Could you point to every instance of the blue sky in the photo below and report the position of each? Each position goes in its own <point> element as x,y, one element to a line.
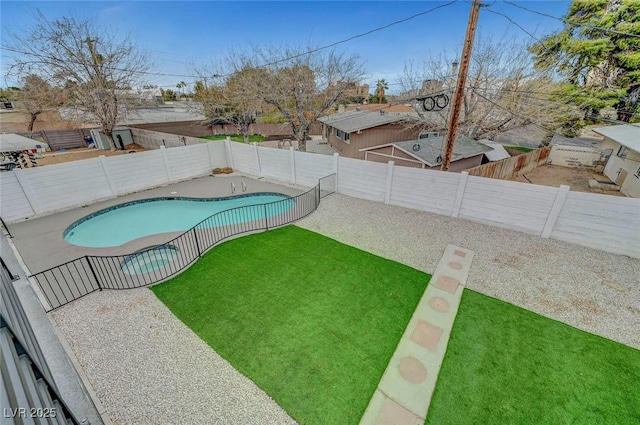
<point>178,33</point>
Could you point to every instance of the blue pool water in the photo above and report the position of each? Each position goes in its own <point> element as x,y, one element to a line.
<point>150,260</point>
<point>124,223</point>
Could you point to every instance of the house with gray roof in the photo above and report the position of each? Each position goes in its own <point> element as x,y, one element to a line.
<point>623,166</point>
<point>428,153</point>
<point>350,132</point>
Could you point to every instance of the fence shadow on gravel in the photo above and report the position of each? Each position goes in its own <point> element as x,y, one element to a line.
<point>72,280</point>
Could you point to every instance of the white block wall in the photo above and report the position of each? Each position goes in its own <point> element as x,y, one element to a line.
<point>188,161</point>
<point>425,190</point>
<point>245,158</point>
<point>14,204</point>
<point>600,221</point>
<point>42,190</point>
<point>217,154</point>
<point>275,163</point>
<point>60,186</point>
<point>609,223</point>
<point>310,167</point>
<point>137,171</point>
<point>509,205</point>
<point>362,179</point>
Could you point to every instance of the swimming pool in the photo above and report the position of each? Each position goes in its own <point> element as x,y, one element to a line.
<point>123,223</point>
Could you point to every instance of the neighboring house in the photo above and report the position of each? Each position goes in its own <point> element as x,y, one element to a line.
<point>428,152</point>
<point>623,166</point>
<point>497,154</point>
<point>350,132</point>
<point>386,107</point>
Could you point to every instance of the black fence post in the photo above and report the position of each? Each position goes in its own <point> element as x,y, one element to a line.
<point>266,220</point>
<point>86,257</point>
<point>195,235</point>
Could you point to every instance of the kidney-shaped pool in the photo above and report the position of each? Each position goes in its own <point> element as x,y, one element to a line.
<point>123,223</point>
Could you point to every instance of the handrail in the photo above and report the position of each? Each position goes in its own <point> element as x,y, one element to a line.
<point>76,278</point>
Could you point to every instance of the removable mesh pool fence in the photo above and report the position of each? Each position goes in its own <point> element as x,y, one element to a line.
<point>67,282</point>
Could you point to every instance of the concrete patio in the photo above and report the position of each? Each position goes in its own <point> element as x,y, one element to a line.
<point>40,242</point>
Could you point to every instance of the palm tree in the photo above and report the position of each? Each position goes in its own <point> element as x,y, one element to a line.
<point>381,86</point>
<point>181,85</point>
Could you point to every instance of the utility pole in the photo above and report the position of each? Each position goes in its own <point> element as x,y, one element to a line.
<point>462,80</point>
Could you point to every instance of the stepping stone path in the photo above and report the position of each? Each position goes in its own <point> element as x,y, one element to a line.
<point>404,392</point>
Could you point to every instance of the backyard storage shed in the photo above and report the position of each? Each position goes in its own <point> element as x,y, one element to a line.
<point>623,166</point>
<point>350,132</point>
<point>428,153</point>
<point>121,137</point>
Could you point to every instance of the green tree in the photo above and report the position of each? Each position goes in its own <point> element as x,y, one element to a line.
<point>597,53</point>
<point>181,86</point>
<point>168,95</point>
<point>381,86</point>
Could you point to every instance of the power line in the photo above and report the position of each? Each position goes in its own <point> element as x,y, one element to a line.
<point>163,74</point>
<point>519,26</point>
<point>567,21</point>
<point>529,120</point>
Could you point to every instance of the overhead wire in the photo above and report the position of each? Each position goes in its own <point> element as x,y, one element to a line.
<point>288,58</point>
<point>524,118</point>
<point>568,21</point>
<point>540,41</point>
<point>521,27</point>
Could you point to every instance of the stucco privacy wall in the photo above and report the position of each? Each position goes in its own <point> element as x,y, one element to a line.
<point>44,190</point>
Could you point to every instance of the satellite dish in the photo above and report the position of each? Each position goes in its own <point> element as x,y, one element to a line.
<point>416,147</point>
<point>438,159</point>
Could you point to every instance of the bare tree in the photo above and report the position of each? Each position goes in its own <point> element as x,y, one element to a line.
<point>503,90</point>
<point>231,100</point>
<point>97,68</point>
<point>38,96</point>
<point>301,84</point>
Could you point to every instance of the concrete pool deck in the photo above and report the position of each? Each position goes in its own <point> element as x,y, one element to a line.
<point>40,241</point>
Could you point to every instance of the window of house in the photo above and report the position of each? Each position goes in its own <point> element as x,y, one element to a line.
<point>339,134</point>
<point>347,137</point>
<point>428,135</point>
<point>622,152</point>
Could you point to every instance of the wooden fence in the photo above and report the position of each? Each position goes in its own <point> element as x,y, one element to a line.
<point>512,167</point>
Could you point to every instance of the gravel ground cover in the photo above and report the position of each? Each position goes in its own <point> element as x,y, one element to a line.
<point>589,289</point>
<point>119,336</point>
<point>147,367</point>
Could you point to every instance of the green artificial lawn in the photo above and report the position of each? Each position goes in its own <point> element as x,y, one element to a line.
<point>236,137</point>
<point>507,365</point>
<point>310,320</point>
<point>519,148</point>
